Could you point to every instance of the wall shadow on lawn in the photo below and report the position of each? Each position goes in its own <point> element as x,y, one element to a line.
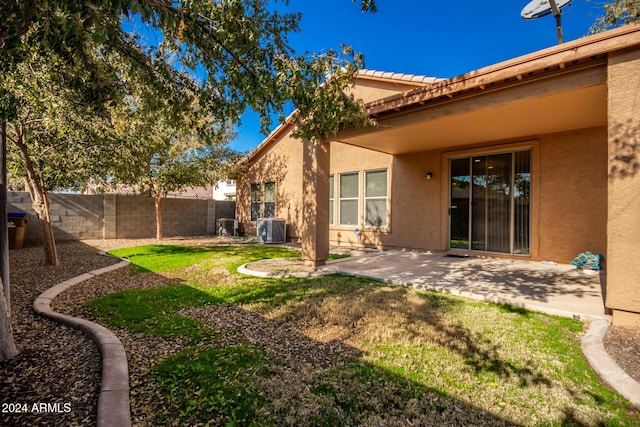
<point>397,313</point>
<point>330,376</point>
<point>326,382</point>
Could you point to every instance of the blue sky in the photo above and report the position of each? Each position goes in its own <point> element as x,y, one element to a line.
<point>428,37</point>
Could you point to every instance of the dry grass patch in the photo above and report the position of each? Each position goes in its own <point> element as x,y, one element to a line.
<point>339,350</point>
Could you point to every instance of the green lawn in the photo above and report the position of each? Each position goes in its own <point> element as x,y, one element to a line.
<point>340,350</point>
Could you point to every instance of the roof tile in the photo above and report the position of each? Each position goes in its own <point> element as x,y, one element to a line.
<point>413,78</point>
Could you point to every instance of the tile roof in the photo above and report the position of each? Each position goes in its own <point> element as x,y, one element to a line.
<point>410,78</point>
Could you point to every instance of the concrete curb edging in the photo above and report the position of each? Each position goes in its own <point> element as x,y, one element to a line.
<point>113,401</point>
<point>244,270</point>
<point>605,366</point>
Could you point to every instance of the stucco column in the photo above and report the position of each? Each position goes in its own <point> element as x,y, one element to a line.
<point>623,223</point>
<point>315,206</point>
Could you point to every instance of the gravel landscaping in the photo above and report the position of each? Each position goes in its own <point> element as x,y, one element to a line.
<point>59,366</point>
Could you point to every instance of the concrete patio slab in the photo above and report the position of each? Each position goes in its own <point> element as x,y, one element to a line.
<point>551,288</point>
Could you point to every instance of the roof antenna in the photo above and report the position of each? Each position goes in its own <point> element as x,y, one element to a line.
<point>539,8</point>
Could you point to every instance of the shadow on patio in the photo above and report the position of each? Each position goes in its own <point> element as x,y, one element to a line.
<point>554,289</point>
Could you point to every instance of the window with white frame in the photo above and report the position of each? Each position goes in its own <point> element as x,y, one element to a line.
<point>256,201</point>
<point>375,198</point>
<point>331,199</point>
<point>269,210</point>
<point>349,198</point>
<point>263,200</point>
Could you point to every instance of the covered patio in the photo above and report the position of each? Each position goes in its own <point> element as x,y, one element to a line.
<point>536,158</point>
<point>558,289</point>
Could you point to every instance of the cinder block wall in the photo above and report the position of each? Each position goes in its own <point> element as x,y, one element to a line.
<point>73,216</point>
<point>108,216</point>
<point>135,217</point>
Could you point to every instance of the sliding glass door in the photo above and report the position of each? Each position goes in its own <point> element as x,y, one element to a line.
<point>489,206</point>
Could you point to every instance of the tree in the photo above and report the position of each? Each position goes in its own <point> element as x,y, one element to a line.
<point>240,46</point>
<point>167,146</point>
<point>616,13</point>
<point>57,140</point>
<point>7,345</point>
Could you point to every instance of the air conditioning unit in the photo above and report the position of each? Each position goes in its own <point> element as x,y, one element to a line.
<point>227,227</point>
<point>271,230</point>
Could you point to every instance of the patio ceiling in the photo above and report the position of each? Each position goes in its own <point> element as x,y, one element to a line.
<point>557,102</point>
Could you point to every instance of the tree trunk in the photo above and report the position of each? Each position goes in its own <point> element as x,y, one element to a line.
<point>39,201</point>
<point>8,348</point>
<point>158,202</point>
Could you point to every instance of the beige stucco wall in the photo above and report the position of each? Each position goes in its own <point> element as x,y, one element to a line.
<point>281,164</point>
<point>280,161</point>
<point>414,201</point>
<point>569,195</point>
<point>569,180</point>
<point>623,227</point>
<point>585,159</point>
<point>370,89</point>
<point>345,159</point>
<point>572,194</point>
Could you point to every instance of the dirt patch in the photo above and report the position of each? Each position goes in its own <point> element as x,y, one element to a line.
<point>280,265</point>
<point>286,344</point>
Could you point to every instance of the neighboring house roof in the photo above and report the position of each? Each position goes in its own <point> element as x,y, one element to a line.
<point>132,190</point>
<point>194,193</point>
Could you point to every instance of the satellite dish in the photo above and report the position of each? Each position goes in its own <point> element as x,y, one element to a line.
<point>539,8</point>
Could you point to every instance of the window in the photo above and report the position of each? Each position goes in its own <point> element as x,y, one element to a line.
<point>269,200</point>
<point>348,193</point>
<point>375,198</point>
<point>263,200</point>
<point>256,201</point>
<point>331,200</point>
